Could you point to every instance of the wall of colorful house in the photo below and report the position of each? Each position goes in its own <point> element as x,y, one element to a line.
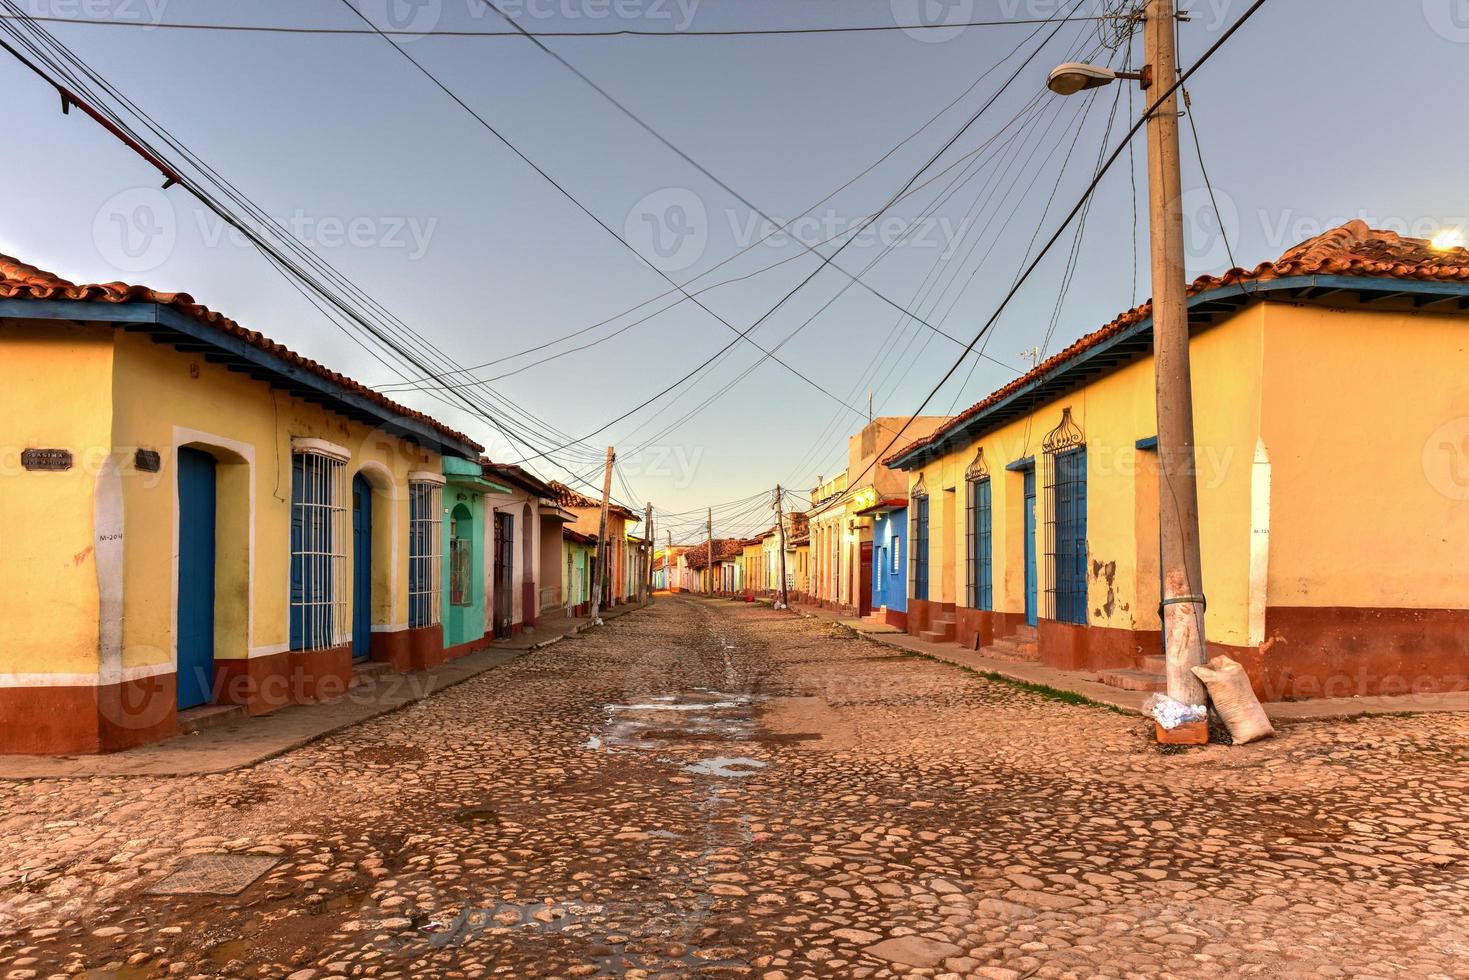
<point>890,561</point>
<point>1113,413</point>
<point>103,579</point>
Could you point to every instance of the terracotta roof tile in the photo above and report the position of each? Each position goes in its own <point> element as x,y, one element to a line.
<point>1354,249</point>
<point>21,281</point>
<point>567,497</point>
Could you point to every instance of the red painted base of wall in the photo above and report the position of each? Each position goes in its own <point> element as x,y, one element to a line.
<point>976,628</point>
<point>1065,646</point>
<point>896,617</point>
<point>529,601</point>
<point>465,649</point>
<point>923,612</point>
<point>425,647</point>
<point>87,720</point>
<point>392,648</point>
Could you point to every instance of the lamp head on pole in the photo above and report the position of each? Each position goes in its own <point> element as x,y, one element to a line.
<point>1077,76</point>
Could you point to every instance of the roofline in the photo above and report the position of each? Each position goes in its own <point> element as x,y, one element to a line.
<point>1126,346</point>
<point>159,320</point>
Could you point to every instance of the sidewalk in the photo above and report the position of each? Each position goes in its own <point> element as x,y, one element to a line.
<point>1090,686</point>
<point>249,741</point>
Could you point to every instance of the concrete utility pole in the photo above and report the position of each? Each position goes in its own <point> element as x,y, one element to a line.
<point>1178,493</point>
<point>603,551</point>
<point>647,588</point>
<point>1178,497</point>
<point>780,522</point>
<point>709,568</point>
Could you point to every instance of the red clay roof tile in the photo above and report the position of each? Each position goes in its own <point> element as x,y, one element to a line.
<point>1354,249</point>
<point>21,281</point>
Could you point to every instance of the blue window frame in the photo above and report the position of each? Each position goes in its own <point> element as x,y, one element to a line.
<point>920,548</point>
<point>981,545</point>
<point>1066,519</point>
<point>979,554</point>
<point>318,541</point>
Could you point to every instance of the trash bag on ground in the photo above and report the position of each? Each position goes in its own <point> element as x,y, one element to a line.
<point>1170,713</point>
<point>1234,700</point>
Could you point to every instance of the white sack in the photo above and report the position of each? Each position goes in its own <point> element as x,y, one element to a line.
<point>1234,699</point>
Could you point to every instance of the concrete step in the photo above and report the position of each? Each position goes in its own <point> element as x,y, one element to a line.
<point>1009,655</point>
<point>368,671</point>
<point>1025,648</point>
<point>1135,680</point>
<point>1029,633</point>
<point>208,716</point>
<point>1156,664</point>
<point>943,634</point>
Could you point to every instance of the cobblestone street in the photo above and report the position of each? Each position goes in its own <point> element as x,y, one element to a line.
<point>710,788</point>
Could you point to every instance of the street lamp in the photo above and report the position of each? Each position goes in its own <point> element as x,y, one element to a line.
<point>1182,604</point>
<point>1078,76</point>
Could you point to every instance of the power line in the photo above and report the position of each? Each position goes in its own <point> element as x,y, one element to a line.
<point>629,32</point>
<point>1071,216</point>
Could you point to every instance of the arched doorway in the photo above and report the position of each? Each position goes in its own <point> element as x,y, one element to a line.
<point>464,609</point>
<point>196,577</point>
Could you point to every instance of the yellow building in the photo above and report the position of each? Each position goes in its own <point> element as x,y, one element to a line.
<point>193,515</point>
<point>1331,407</point>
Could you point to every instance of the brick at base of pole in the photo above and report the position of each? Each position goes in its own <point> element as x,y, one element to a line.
<point>1189,733</point>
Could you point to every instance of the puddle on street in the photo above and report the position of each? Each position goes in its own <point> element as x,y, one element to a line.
<point>654,722</point>
<point>726,767</point>
<point>476,816</point>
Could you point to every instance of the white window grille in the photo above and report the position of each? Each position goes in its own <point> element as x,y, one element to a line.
<point>425,571</point>
<point>319,576</point>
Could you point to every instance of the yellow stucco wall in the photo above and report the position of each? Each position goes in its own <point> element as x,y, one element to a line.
<point>49,599</point>
<point>1114,412</point>
<point>1368,436</point>
<point>163,399</point>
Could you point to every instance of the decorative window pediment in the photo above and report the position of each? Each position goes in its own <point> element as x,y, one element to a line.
<point>978,470</point>
<point>1064,437</point>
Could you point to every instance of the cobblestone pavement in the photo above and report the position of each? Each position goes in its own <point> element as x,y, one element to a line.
<point>716,789</point>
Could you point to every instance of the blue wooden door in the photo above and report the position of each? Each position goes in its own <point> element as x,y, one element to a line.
<point>195,632</point>
<point>1031,605</point>
<point>361,567</point>
<point>1070,544</point>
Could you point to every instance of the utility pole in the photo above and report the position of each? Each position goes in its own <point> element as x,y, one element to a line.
<point>603,552</point>
<point>780,522</point>
<point>709,568</point>
<point>652,554</point>
<point>1178,499</point>
<point>668,563</point>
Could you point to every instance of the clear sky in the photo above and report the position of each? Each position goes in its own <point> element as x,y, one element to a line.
<point>1318,111</point>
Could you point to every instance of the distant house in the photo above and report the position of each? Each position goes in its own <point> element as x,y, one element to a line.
<point>620,581</point>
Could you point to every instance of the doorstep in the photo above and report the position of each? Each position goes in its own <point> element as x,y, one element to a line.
<point>220,738</point>
<point>1091,687</point>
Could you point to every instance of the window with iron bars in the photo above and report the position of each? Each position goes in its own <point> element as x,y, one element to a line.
<point>425,575</point>
<point>979,532</point>
<point>1064,464</point>
<point>920,541</point>
<point>319,578</point>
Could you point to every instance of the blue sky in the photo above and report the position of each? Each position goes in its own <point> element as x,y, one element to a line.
<point>1317,112</point>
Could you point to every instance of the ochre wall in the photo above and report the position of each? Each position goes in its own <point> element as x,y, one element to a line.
<point>1367,426</point>
<point>162,399</point>
<point>49,618</point>
<point>1114,412</point>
